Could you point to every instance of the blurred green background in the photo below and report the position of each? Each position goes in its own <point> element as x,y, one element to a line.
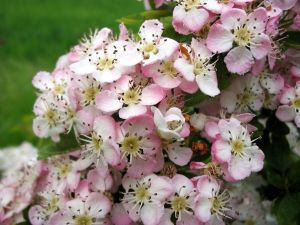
<point>33,34</point>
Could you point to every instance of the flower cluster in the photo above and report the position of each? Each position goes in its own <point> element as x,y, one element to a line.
<point>145,154</point>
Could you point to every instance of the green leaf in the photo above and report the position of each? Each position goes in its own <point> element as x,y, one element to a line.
<point>293,40</point>
<point>68,142</point>
<point>293,176</point>
<point>287,209</point>
<point>195,99</point>
<point>277,127</point>
<point>139,18</point>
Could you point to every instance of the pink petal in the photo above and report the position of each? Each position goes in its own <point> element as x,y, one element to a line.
<point>152,94</point>
<point>239,60</point>
<point>208,84</point>
<point>151,30</point>
<point>97,205</point>
<point>239,168</point>
<point>119,215</point>
<point>132,111</point>
<point>108,101</point>
<point>111,153</point>
<point>285,113</point>
<point>42,81</point>
<point>261,46</point>
<point>182,185</point>
<point>195,19</point>
<point>179,155</point>
<point>105,126</point>
<point>151,214</point>
<point>185,68</point>
<point>233,18</point>
<point>219,39</point>
<point>221,151</point>
<point>203,210</point>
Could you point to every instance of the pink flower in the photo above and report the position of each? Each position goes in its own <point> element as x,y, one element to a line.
<point>290,108</point>
<point>182,201</point>
<point>210,199</point>
<point>50,116</point>
<point>130,96</point>
<point>235,148</point>
<point>243,95</point>
<point>91,211</point>
<point>152,45</point>
<point>110,63</point>
<point>171,125</point>
<point>191,16</point>
<point>144,198</point>
<point>96,40</point>
<point>100,147</point>
<point>246,31</point>
<point>56,83</point>
<point>199,68</point>
<point>137,139</point>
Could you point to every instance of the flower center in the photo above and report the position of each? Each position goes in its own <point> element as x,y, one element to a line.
<point>212,169</point>
<point>199,67</point>
<point>89,95</point>
<point>179,204</point>
<point>168,69</point>
<point>105,63</point>
<point>223,1</point>
<point>149,48</point>
<point>245,98</point>
<point>173,124</point>
<point>59,89</point>
<point>51,116</point>
<point>242,36</point>
<point>132,96</point>
<point>53,203</point>
<point>83,220</point>
<point>190,4</point>
<point>220,203</point>
<point>131,145</point>
<point>296,103</point>
<point>97,142</point>
<point>142,194</point>
<point>237,146</point>
<point>64,169</point>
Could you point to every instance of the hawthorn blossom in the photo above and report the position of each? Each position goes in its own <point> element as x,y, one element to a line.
<point>211,199</point>
<point>144,199</point>
<point>191,16</point>
<point>247,32</point>
<point>199,68</point>
<point>245,94</point>
<point>235,148</point>
<point>130,96</point>
<point>100,146</point>
<point>50,116</point>
<point>110,63</point>
<point>137,139</point>
<point>89,211</point>
<point>95,40</point>
<point>182,200</point>
<point>57,83</point>
<point>152,45</point>
<point>290,108</point>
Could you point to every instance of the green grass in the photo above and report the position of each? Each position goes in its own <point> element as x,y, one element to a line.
<point>33,34</point>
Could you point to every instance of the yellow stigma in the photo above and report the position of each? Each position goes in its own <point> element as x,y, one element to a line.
<point>59,89</point>
<point>83,220</point>
<point>148,49</point>
<point>142,194</point>
<point>51,117</point>
<point>191,4</point>
<point>131,145</point>
<point>237,147</point>
<point>105,63</point>
<point>199,67</point>
<point>168,69</point>
<point>97,143</point>
<point>173,124</point>
<point>89,95</point>
<point>296,103</point>
<point>53,203</point>
<point>242,36</point>
<point>179,204</point>
<point>245,98</point>
<point>132,96</point>
<point>64,169</point>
